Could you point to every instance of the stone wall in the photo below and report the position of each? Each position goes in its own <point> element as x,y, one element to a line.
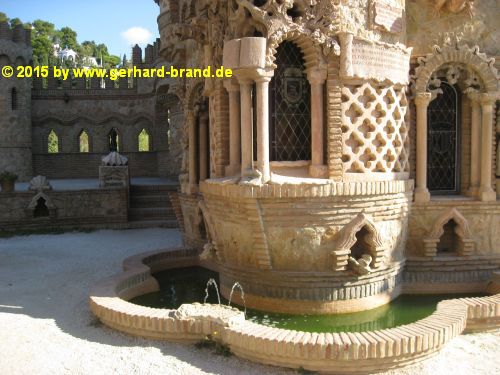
<point>429,25</point>
<point>66,209</point>
<point>15,104</point>
<point>86,165</point>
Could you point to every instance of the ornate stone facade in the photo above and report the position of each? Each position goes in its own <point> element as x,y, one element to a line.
<point>335,202</point>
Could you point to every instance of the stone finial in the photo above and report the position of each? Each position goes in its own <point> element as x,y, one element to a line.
<point>40,183</point>
<point>114,159</point>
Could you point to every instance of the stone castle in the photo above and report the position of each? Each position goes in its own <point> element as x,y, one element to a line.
<point>353,151</point>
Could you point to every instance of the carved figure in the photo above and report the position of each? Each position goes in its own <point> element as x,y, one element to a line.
<point>453,6</point>
<point>362,265</point>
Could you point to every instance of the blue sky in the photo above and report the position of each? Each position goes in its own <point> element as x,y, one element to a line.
<point>105,21</point>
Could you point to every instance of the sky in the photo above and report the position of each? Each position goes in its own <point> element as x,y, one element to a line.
<point>117,23</point>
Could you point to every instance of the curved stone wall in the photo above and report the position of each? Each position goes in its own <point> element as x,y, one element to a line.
<point>346,353</point>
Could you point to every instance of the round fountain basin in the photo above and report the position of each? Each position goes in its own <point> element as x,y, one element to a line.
<point>187,285</point>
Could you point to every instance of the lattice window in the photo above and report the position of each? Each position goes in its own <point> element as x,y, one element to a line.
<point>290,114</point>
<point>374,131</point>
<point>443,136</point>
<point>83,141</point>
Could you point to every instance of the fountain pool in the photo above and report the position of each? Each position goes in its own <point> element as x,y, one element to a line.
<point>188,285</point>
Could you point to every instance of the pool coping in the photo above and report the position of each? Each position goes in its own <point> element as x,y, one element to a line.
<point>344,352</point>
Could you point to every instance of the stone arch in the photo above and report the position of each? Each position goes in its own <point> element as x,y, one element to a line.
<point>34,206</point>
<point>80,141</point>
<point>194,93</point>
<point>310,51</point>
<point>466,244</point>
<point>471,57</point>
<point>346,239</point>
<point>147,140</point>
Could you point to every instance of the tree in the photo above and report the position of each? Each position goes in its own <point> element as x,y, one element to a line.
<point>15,21</point>
<point>67,36</point>
<point>3,17</point>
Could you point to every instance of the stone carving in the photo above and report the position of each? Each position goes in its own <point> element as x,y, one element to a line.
<point>375,134</point>
<point>209,252</point>
<point>453,6</point>
<point>40,183</point>
<point>387,17</point>
<point>453,73</point>
<point>466,244</point>
<point>362,265</point>
<point>366,61</point>
<point>114,159</point>
<point>346,238</point>
<point>41,206</point>
<point>280,20</point>
<point>478,69</point>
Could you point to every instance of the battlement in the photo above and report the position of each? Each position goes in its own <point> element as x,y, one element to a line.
<point>17,34</point>
<point>151,53</point>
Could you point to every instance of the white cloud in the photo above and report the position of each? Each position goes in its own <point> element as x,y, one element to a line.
<point>137,35</point>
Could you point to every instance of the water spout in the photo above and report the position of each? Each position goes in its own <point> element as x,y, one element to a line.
<point>211,282</point>
<point>238,285</point>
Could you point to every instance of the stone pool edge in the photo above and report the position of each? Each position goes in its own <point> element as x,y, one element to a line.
<point>352,352</point>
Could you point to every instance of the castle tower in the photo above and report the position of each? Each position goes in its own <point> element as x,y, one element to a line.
<point>15,103</point>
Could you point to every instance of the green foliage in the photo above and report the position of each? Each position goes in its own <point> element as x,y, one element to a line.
<point>144,141</point>
<point>84,141</point>
<point>44,35</point>
<point>53,143</point>
<point>8,176</point>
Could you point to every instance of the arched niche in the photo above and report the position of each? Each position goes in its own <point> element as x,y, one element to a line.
<point>449,228</point>
<point>358,237</point>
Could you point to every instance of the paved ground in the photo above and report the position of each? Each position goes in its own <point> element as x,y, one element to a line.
<point>46,326</point>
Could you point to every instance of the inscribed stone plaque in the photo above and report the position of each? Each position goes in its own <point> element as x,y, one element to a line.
<point>379,62</point>
<point>388,17</point>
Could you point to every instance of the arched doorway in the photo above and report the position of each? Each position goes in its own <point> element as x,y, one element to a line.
<point>443,113</point>
<point>289,107</point>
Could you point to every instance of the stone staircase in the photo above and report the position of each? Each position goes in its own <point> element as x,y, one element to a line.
<point>150,206</point>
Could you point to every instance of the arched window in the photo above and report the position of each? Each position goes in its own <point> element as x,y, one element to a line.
<point>289,107</point>
<point>144,141</point>
<point>443,140</point>
<point>53,143</point>
<point>13,99</point>
<point>114,140</point>
<point>83,141</point>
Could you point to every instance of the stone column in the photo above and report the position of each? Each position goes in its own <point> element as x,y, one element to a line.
<point>486,192</point>
<point>262,109</point>
<point>233,88</point>
<point>203,143</point>
<point>246,126</point>
<point>317,78</point>
<point>422,101</point>
<point>192,150</point>
<point>475,141</point>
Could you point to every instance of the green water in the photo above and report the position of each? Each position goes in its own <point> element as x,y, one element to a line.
<point>187,285</point>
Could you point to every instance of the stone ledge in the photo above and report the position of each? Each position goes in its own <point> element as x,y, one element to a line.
<point>305,190</point>
<point>357,352</point>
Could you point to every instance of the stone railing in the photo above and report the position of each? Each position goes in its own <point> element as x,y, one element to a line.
<point>357,352</point>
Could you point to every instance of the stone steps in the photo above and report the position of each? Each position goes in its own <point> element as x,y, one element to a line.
<point>151,204</point>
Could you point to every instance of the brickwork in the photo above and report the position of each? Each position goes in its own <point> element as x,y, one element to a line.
<point>357,352</point>
<point>71,209</point>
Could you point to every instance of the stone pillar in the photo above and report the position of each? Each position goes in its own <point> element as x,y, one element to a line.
<point>263,125</point>
<point>486,192</point>
<point>246,126</point>
<point>203,143</point>
<point>192,150</point>
<point>475,141</point>
<point>317,78</point>
<point>233,88</point>
<point>422,101</point>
